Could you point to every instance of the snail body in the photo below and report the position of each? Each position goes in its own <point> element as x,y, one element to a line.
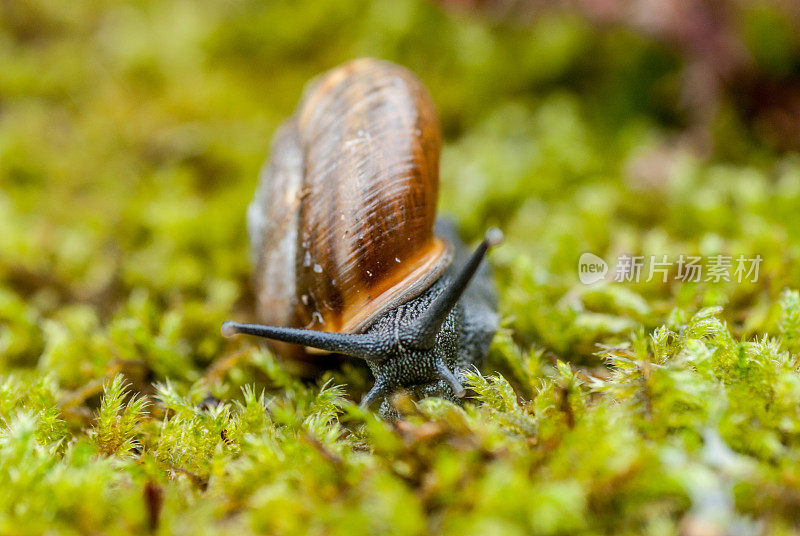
<point>349,256</point>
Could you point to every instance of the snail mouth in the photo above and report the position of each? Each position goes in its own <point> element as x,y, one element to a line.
<point>441,371</point>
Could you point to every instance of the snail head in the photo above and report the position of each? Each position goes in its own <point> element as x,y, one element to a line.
<point>397,352</point>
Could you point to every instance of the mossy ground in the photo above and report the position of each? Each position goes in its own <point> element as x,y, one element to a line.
<point>131,135</point>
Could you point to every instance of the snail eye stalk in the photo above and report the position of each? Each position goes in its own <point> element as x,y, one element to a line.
<point>421,333</point>
<point>366,346</point>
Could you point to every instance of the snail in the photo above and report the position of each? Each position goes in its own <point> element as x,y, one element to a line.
<point>349,256</point>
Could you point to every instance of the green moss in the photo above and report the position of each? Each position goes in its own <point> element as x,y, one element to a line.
<point>131,135</point>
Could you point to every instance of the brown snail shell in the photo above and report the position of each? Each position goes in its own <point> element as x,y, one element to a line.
<point>342,223</point>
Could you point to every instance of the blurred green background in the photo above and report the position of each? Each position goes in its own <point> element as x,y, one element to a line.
<point>131,136</point>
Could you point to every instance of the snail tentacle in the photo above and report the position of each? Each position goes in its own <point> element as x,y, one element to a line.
<point>378,390</point>
<point>370,347</point>
<point>422,332</point>
<point>450,379</point>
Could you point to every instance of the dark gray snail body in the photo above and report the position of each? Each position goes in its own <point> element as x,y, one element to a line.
<point>342,230</point>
